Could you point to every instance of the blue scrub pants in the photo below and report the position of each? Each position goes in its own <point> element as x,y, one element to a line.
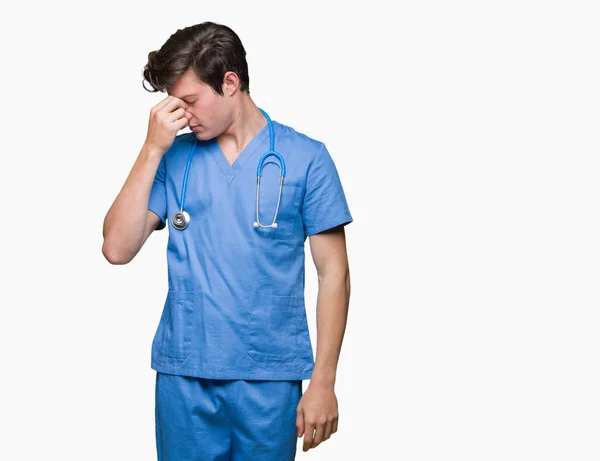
<point>201,419</point>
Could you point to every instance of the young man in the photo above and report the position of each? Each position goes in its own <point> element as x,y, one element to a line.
<point>232,346</point>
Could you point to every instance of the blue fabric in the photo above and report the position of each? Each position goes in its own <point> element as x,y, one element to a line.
<point>225,420</point>
<point>235,305</point>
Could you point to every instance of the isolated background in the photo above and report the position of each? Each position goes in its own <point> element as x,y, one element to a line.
<point>466,136</point>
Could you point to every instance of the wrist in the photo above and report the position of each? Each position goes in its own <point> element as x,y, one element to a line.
<point>150,151</point>
<point>323,378</point>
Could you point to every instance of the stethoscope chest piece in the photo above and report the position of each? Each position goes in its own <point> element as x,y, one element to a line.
<point>180,220</point>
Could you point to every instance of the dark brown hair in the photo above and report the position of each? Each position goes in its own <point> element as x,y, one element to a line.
<point>210,49</point>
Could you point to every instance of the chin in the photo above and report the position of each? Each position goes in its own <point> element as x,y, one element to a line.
<point>201,136</point>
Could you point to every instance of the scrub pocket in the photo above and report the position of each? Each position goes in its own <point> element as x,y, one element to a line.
<point>289,209</point>
<point>174,335</point>
<point>273,328</point>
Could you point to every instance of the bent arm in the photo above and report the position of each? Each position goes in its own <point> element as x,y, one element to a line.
<point>329,255</point>
<point>128,222</point>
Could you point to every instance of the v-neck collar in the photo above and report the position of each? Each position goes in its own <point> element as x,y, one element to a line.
<point>229,171</point>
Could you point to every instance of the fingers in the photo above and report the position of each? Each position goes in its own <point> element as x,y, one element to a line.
<point>169,104</point>
<point>308,436</point>
<point>322,431</point>
<point>300,421</point>
<point>328,430</point>
<point>163,103</point>
<point>319,434</point>
<point>176,115</point>
<point>317,426</point>
<point>182,123</point>
<point>174,103</point>
<point>165,121</point>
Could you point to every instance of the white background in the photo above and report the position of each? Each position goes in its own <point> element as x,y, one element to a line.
<point>466,136</point>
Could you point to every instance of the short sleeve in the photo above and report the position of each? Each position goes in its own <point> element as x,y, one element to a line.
<point>158,195</point>
<point>324,206</point>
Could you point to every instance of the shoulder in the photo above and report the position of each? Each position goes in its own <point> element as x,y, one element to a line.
<point>309,147</point>
<point>182,144</point>
<point>183,140</point>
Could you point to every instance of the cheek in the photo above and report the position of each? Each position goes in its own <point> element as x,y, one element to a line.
<point>203,110</point>
<point>198,114</point>
<point>209,112</point>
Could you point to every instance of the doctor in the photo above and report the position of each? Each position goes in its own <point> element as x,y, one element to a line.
<point>232,345</point>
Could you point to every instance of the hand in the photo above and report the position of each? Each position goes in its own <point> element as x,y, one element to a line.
<point>317,411</point>
<point>166,119</point>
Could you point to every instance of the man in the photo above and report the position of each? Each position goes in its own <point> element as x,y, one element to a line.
<point>232,346</point>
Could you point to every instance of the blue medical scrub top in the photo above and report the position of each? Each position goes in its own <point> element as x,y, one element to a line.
<point>235,305</point>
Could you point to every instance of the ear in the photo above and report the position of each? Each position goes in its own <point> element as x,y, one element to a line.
<point>231,83</point>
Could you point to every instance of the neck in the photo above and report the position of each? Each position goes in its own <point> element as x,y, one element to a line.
<point>247,122</point>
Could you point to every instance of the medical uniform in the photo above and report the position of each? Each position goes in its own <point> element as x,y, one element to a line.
<point>232,346</point>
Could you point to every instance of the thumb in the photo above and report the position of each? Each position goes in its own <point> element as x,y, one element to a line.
<point>300,421</point>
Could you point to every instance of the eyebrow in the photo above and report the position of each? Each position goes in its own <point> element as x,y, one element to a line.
<point>187,96</point>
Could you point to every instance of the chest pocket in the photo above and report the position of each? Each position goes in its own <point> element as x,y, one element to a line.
<point>288,216</point>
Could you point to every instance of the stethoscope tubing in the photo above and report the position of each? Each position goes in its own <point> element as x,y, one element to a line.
<point>181,219</point>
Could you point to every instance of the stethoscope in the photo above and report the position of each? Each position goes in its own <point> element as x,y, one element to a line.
<point>181,219</point>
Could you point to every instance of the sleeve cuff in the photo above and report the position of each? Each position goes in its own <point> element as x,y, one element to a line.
<point>162,223</point>
<point>329,224</point>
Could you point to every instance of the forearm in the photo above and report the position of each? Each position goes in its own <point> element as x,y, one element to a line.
<point>125,221</point>
<point>332,312</point>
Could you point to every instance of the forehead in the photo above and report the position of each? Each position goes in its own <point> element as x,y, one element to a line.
<point>187,85</point>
